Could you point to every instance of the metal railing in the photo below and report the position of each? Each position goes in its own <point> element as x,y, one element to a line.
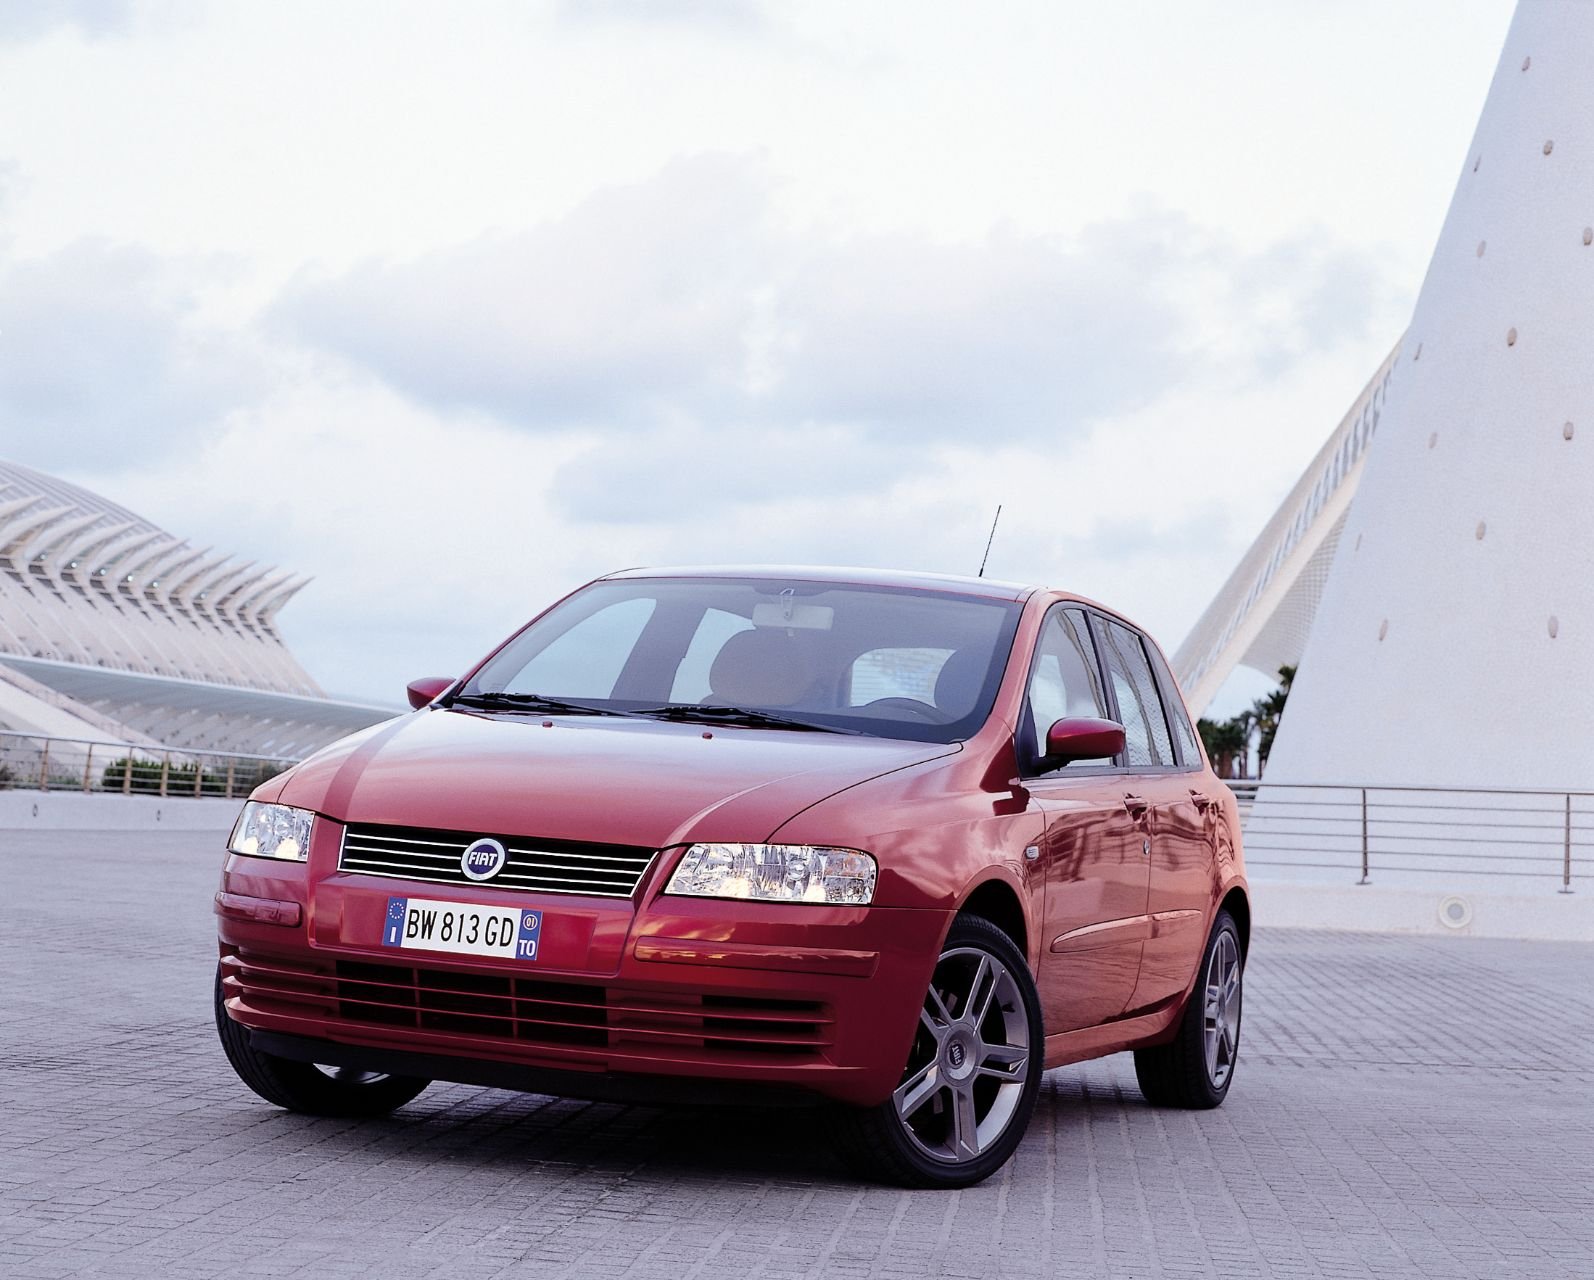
<point>42,762</point>
<point>1366,831</point>
<point>1391,832</point>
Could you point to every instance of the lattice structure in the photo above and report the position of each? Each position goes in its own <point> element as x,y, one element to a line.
<point>109,622</point>
<point>84,580</point>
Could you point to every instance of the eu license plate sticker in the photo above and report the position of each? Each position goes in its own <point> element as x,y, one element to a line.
<point>422,924</point>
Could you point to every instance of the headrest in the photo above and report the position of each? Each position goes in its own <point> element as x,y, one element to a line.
<point>962,676</point>
<point>765,667</point>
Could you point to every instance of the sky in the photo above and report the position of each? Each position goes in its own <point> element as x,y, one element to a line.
<point>457,307</point>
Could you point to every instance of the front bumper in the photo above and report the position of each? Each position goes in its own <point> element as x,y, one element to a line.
<point>669,996</point>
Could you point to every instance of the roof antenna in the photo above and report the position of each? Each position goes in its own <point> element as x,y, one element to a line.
<point>989,540</point>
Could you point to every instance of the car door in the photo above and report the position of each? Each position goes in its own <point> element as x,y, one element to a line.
<point>1164,766</point>
<point>1094,873</point>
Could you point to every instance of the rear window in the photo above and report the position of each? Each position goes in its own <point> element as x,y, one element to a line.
<point>897,673</point>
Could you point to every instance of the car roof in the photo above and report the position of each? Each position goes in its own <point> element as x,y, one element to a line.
<point>947,582</point>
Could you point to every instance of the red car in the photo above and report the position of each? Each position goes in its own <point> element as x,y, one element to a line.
<point>891,843</point>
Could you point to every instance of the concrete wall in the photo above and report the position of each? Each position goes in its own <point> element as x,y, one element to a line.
<point>74,811</point>
<point>1374,908</point>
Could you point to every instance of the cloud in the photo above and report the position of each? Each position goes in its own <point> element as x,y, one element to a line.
<point>743,16</point>
<point>102,354</point>
<point>1012,336</point>
<point>669,372</point>
<point>664,473</point>
<point>704,348</point>
<point>31,19</point>
<point>680,299</point>
<point>429,538</point>
<point>630,308</point>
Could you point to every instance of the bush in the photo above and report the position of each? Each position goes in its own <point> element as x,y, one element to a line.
<point>142,777</point>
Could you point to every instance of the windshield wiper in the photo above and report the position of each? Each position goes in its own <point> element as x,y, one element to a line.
<point>743,716</point>
<point>530,702</point>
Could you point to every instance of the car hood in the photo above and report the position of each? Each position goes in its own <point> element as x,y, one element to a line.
<point>622,781</point>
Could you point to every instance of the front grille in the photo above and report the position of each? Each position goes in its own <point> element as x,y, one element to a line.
<point>542,866</point>
<point>535,1011</point>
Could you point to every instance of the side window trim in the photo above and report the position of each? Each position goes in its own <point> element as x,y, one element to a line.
<point>1098,626</point>
<point>1098,638</point>
<point>1158,692</point>
<point>1172,705</point>
<point>1093,627</point>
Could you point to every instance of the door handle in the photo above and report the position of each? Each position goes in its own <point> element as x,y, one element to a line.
<point>1203,803</point>
<point>1136,806</point>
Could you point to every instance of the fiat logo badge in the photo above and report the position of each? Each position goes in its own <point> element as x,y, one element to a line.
<point>483,859</point>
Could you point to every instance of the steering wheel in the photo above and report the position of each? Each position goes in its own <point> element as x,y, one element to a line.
<point>921,711</point>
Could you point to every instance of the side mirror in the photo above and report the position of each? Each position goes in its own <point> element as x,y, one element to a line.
<point>1084,739</point>
<point>427,688</point>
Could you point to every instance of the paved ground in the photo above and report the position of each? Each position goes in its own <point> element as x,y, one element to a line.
<point>1404,1107</point>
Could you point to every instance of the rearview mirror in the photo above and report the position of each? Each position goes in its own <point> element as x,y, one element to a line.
<point>1084,739</point>
<point>427,688</point>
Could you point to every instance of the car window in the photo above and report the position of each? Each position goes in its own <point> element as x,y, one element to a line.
<point>929,660</point>
<point>897,673</point>
<point>1146,738</point>
<point>1065,681</point>
<point>586,661</point>
<point>691,677</point>
<point>1178,718</point>
<point>1189,751</point>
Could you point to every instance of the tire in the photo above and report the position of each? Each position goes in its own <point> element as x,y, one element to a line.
<point>969,1086</point>
<point>1195,1069</point>
<point>304,1086</point>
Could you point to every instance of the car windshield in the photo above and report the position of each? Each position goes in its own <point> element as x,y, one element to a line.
<point>887,661</point>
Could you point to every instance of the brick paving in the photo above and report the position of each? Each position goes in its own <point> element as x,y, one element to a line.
<point>1404,1107</point>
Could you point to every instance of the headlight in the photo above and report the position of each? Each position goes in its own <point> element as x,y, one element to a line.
<point>272,831</point>
<point>776,873</point>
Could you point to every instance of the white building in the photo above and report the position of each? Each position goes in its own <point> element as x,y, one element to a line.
<point>1432,575</point>
<point>113,629</point>
<point>1454,640</point>
<point>1443,621</point>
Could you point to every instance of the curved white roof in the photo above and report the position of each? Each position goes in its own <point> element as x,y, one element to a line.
<point>88,582</point>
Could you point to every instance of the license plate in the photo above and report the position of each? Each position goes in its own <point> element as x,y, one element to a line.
<point>422,924</point>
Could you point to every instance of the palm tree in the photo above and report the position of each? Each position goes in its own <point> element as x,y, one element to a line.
<point>1226,743</point>
<point>1267,712</point>
<point>1245,725</point>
